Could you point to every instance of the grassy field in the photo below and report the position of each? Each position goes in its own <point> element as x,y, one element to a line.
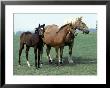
<point>84,56</point>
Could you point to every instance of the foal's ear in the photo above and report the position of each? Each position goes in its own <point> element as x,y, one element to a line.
<point>70,24</point>
<point>43,24</point>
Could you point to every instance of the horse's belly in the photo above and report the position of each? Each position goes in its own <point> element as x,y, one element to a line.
<point>55,44</point>
<point>53,41</point>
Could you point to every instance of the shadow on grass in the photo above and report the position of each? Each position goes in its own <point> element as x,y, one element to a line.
<point>81,60</point>
<point>77,60</point>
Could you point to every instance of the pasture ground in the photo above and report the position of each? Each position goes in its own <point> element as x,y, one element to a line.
<point>84,56</point>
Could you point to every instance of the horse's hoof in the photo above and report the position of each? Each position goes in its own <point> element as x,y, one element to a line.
<point>50,62</point>
<point>41,65</point>
<point>37,68</point>
<point>61,63</point>
<point>29,66</point>
<point>19,65</point>
<point>71,62</point>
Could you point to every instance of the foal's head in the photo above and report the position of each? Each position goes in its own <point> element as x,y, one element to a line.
<point>40,30</point>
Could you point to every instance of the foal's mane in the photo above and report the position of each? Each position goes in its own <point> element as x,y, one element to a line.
<point>62,27</point>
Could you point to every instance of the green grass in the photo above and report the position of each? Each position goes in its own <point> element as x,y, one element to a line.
<point>84,56</point>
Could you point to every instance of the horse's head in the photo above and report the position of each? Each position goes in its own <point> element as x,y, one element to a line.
<point>40,30</point>
<point>80,25</point>
<point>71,28</point>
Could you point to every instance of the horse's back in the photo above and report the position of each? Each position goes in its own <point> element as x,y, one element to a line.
<point>24,34</point>
<point>50,32</point>
<point>28,37</point>
<point>51,28</point>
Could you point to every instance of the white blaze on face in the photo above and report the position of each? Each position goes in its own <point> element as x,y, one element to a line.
<point>41,31</point>
<point>41,28</point>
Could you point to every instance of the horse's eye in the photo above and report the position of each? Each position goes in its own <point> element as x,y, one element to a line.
<point>82,23</point>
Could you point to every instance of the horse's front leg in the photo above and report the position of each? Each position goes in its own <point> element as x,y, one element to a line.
<point>70,54</point>
<point>58,56</point>
<point>41,53</point>
<point>27,49</point>
<point>48,54</point>
<point>61,54</point>
<point>38,59</point>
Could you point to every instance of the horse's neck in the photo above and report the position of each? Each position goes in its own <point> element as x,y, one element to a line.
<point>77,25</point>
<point>63,32</point>
<point>74,26</point>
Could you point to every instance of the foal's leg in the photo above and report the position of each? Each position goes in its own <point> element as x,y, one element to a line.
<point>35,52</point>
<point>70,54</point>
<point>20,51</point>
<point>48,54</point>
<point>38,59</point>
<point>41,53</point>
<point>27,49</point>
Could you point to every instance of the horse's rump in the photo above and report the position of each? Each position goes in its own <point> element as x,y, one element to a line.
<point>29,38</point>
<point>24,34</point>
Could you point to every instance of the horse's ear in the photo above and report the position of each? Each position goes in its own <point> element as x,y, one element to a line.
<point>70,24</point>
<point>80,18</point>
<point>43,24</point>
<point>39,25</point>
<point>73,23</point>
<point>76,18</point>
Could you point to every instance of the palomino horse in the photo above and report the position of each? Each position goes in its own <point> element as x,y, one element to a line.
<point>32,40</point>
<point>55,37</point>
<point>80,25</point>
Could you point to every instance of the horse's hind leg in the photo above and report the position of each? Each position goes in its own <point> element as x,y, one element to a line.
<point>20,51</point>
<point>27,49</point>
<point>48,54</point>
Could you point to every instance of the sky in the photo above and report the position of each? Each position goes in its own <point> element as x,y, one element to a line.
<point>28,22</point>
